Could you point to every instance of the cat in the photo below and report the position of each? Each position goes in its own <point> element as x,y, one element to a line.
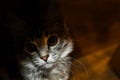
<point>45,53</point>
<point>42,49</point>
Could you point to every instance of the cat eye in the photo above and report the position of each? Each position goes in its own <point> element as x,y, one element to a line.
<point>52,41</point>
<point>30,47</point>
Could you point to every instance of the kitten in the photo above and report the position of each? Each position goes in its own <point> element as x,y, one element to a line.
<point>42,51</point>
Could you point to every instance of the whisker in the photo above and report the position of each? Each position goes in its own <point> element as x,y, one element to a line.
<point>77,63</point>
<point>71,70</point>
<point>75,69</point>
<point>72,74</point>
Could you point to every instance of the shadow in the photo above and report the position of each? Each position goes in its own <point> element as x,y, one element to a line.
<point>33,12</point>
<point>115,62</point>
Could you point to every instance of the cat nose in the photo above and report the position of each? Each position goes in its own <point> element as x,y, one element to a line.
<point>45,57</point>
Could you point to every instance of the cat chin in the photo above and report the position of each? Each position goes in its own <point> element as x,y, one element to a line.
<point>47,66</point>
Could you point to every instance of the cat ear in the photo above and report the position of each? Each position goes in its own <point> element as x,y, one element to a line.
<point>54,12</point>
<point>19,30</point>
<point>54,16</point>
<point>16,25</point>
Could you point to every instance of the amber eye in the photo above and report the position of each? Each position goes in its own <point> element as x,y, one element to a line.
<point>30,47</point>
<point>52,41</point>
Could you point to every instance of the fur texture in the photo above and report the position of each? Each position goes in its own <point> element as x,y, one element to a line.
<point>57,65</point>
<point>42,47</point>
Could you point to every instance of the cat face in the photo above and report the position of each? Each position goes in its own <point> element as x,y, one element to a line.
<point>48,49</point>
<point>41,45</point>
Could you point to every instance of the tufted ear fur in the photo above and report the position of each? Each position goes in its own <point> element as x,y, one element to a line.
<point>17,26</point>
<point>54,19</point>
<point>53,12</point>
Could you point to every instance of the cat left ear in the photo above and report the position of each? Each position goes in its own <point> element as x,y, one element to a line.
<point>54,16</point>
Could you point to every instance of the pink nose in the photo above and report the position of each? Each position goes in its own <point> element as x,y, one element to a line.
<point>44,57</point>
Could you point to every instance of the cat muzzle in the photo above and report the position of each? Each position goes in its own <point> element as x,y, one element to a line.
<point>45,57</point>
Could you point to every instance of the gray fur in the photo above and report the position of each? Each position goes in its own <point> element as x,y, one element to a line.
<point>57,67</point>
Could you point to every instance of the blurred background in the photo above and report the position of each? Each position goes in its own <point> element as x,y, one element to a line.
<point>95,27</point>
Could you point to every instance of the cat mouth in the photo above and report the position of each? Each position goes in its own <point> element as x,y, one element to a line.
<point>48,65</point>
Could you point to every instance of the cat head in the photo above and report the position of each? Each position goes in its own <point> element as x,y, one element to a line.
<point>41,44</point>
<point>48,45</point>
<point>44,44</point>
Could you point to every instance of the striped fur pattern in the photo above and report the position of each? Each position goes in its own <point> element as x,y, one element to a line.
<point>47,61</point>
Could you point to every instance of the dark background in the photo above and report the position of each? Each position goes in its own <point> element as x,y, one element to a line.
<point>94,23</point>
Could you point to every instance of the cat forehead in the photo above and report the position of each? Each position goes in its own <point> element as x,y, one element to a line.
<point>54,28</point>
<point>42,33</point>
<point>43,38</point>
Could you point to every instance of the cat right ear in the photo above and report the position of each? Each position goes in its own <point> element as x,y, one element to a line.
<point>16,25</point>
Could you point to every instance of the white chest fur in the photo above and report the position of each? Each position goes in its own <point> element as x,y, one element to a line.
<point>57,71</point>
